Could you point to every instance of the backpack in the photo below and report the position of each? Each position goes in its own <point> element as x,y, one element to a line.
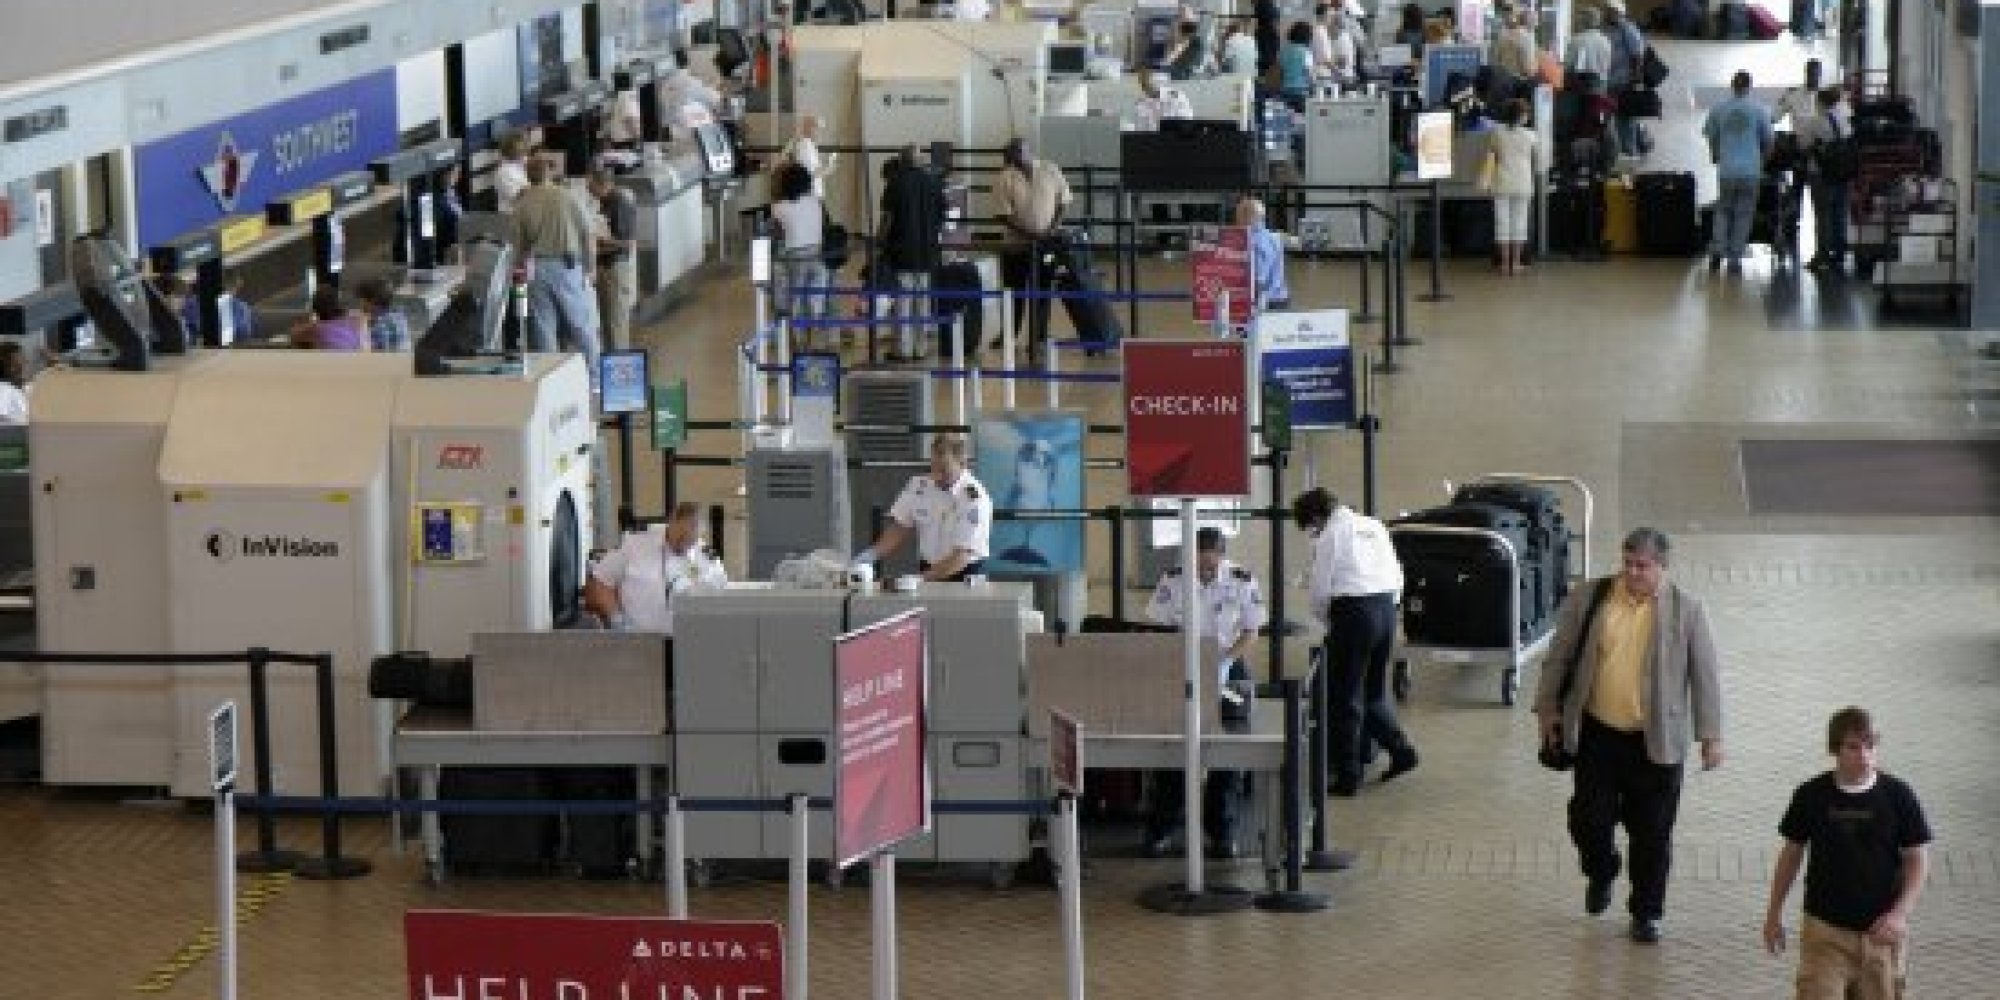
<point>1652,69</point>
<point>1837,160</point>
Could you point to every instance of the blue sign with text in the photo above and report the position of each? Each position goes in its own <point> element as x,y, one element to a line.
<point>236,165</point>
<point>1310,354</point>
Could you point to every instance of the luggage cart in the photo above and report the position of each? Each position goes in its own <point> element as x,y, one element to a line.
<point>1510,659</point>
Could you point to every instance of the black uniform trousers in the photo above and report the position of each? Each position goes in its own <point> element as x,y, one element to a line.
<point>1616,783</point>
<point>1360,636</point>
<point>1021,270</point>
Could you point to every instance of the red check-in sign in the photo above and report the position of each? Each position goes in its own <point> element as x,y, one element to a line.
<point>459,955</point>
<point>1187,418</point>
<point>881,785</point>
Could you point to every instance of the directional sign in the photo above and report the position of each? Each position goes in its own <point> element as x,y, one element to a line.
<point>670,414</point>
<point>1065,752</point>
<point>1221,263</point>
<point>507,956</point>
<point>222,747</point>
<point>1310,354</point>
<point>881,786</point>
<point>1187,418</point>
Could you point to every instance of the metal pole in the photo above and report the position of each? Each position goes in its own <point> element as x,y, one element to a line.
<point>1402,276</point>
<point>1278,626</point>
<point>1128,259</point>
<point>882,894</point>
<point>225,890</point>
<point>1437,294</point>
<point>1007,307</point>
<point>330,864</point>
<point>676,875</point>
<point>1369,427</point>
<point>1071,888</point>
<point>1051,390</point>
<point>1117,515</point>
<point>715,522</point>
<point>958,362</point>
<point>267,857</point>
<point>668,490</point>
<point>1393,305</point>
<point>784,369</point>
<point>1191,699</point>
<point>627,485</point>
<point>796,980</point>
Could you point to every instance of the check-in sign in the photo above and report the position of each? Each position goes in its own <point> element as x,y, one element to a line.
<point>1187,418</point>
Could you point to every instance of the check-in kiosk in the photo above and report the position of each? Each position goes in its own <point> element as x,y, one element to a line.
<point>417,173</point>
<point>323,208</point>
<point>641,75</point>
<point>570,124</point>
<point>199,253</point>
<point>54,313</point>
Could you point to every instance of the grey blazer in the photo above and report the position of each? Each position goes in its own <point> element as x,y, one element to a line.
<point>1683,692</point>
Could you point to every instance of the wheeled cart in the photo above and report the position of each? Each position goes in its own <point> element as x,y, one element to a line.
<point>1532,638</point>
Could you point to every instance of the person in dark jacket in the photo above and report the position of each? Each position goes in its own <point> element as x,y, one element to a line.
<point>913,209</point>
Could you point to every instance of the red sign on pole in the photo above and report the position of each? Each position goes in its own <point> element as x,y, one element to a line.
<point>1221,263</point>
<point>472,956</point>
<point>1065,752</point>
<point>1187,418</point>
<point>881,785</point>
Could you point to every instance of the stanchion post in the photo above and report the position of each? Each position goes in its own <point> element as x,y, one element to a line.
<point>669,476</point>
<point>627,484</point>
<point>784,380</point>
<point>1070,851</point>
<point>1293,897</point>
<point>1395,305</point>
<point>1191,629</point>
<point>225,890</point>
<point>330,864</point>
<point>882,897</point>
<point>958,361</point>
<point>1007,346</point>
<point>675,874</point>
<point>715,533</point>
<point>1051,387</point>
<point>1402,325</point>
<point>797,982</point>
<point>1322,857</point>
<point>1116,514</point>
<point>1369,427</point>
<point>267,857</point>
<point>1437,293</point>
<point>1278,625</point>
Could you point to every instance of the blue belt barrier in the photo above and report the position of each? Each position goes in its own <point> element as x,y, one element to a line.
<point>835,324</point>
<point>1030,374</point>
<point>904,293</point>
<point>600,807</point>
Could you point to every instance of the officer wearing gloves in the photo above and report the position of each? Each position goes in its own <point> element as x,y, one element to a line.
<point>1232,608</point>
<point>951,513</point>
<point>633,588</point>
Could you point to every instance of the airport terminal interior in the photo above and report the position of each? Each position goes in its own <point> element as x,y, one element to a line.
<point>1682,395</point>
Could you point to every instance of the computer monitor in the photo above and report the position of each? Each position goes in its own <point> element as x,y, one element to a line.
<point>732,50</point>
<point>1068,59</point>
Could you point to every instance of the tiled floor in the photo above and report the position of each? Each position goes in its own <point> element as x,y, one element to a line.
<point>1638,376</point>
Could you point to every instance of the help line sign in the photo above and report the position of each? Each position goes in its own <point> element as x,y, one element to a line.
<point>455,955</point>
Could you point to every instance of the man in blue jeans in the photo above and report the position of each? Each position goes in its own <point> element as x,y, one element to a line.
<point>1739,140</point>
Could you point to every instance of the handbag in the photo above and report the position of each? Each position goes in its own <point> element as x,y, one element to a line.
<point>1652,69</point>
<point>834,241</point>
<point>1639,102</point>
<point>1489,170</point>
<point>1553,754</point>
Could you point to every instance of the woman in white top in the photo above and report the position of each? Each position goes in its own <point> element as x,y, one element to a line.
<point>633,588</point>
<point>1239,51</point>
<point>800,217</point>
<point>803,149</point>
<point>1516,159</point>
<point>510,177</point>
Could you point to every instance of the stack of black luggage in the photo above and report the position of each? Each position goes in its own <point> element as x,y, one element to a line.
<point>1455,586</point>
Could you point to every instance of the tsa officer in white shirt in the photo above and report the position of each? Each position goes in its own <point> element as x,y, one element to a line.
<point>950,511</point>
<point>1356,583</point>
<point>633,588</point>
<point>1231,606</point>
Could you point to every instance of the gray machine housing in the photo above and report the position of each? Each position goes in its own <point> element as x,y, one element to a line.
<point>798,503</point>
<point>885,400</point>
<point>753,711</point>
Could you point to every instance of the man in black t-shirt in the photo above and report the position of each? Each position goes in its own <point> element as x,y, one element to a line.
<point>1862,836</point>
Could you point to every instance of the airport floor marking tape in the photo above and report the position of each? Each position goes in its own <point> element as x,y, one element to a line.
<point>251,897</point>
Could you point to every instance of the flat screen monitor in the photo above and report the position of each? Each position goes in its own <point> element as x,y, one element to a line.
<point>1068,59</point>
<point>624,380</point>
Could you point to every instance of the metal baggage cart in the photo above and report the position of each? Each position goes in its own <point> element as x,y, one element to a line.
<point>1510,659</point>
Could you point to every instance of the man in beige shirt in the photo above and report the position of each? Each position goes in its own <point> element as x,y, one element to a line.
<point>552,234</point>
<point>1031,196</point>
<point>1631,678</point>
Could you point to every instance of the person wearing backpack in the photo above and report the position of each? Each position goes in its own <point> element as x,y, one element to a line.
<point>1832,161</point>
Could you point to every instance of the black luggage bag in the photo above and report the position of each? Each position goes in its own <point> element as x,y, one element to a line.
<point>1667,222</point>
<point>1547,554</point>
<point>1066,260</point>
<point>598,844</point>
<point>496,843</point>
<point>1576,216</point>
<point>1455,586</point>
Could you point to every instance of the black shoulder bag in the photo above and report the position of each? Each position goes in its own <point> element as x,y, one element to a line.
<point>1553,754</point>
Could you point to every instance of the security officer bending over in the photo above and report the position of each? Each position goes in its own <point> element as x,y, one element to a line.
<point>1232,612</point>
<point>951,512</point>
<point>633,588</point>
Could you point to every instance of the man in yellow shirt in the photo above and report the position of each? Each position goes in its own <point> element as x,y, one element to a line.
<point>1630,679</point>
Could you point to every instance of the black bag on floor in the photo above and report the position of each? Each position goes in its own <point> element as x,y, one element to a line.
<point>1066,255</point>
<point>1455,586</point>
<point>498,843</point>
<point>1576,217</point>
<point>598,844</point>
<point>1469,230</point>
<point>1667,222</point>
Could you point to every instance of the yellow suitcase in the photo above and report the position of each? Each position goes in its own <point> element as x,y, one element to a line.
<point>1621,216</point>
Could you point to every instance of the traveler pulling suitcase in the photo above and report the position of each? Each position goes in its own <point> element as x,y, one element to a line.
<point>1668,225</point>
<point>1066,259</point>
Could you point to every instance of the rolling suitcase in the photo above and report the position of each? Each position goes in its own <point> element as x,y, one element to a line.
<point>1067,257</point>
<point>497,843</point>
<point>1469,227</point>
<point>599,845</point>
<point>1455,586</point>
<point>1621,217</point>
<point>1667,222</point>
<point>1548,538</point>
<point>1576,217</point>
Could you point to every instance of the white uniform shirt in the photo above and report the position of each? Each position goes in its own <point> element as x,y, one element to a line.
<point>1590,52</point>
<point>1796,106</point>
<point>13,404</point>
<point>1353,557</point>
<point>1151,111</point>
<point>945,520</point>
<point>1231,604</point>
<point>644,571</point>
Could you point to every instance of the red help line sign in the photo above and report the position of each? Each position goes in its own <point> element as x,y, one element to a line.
<point>459,955</point>
<point>881,789</point>
<point>1187,418</point>
<point>1221,263</point>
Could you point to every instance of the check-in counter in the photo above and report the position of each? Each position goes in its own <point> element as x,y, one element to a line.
<point>671,228</point>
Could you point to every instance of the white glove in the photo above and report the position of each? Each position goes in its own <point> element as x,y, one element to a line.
<point>619,622</point>
<point>865,557</point>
